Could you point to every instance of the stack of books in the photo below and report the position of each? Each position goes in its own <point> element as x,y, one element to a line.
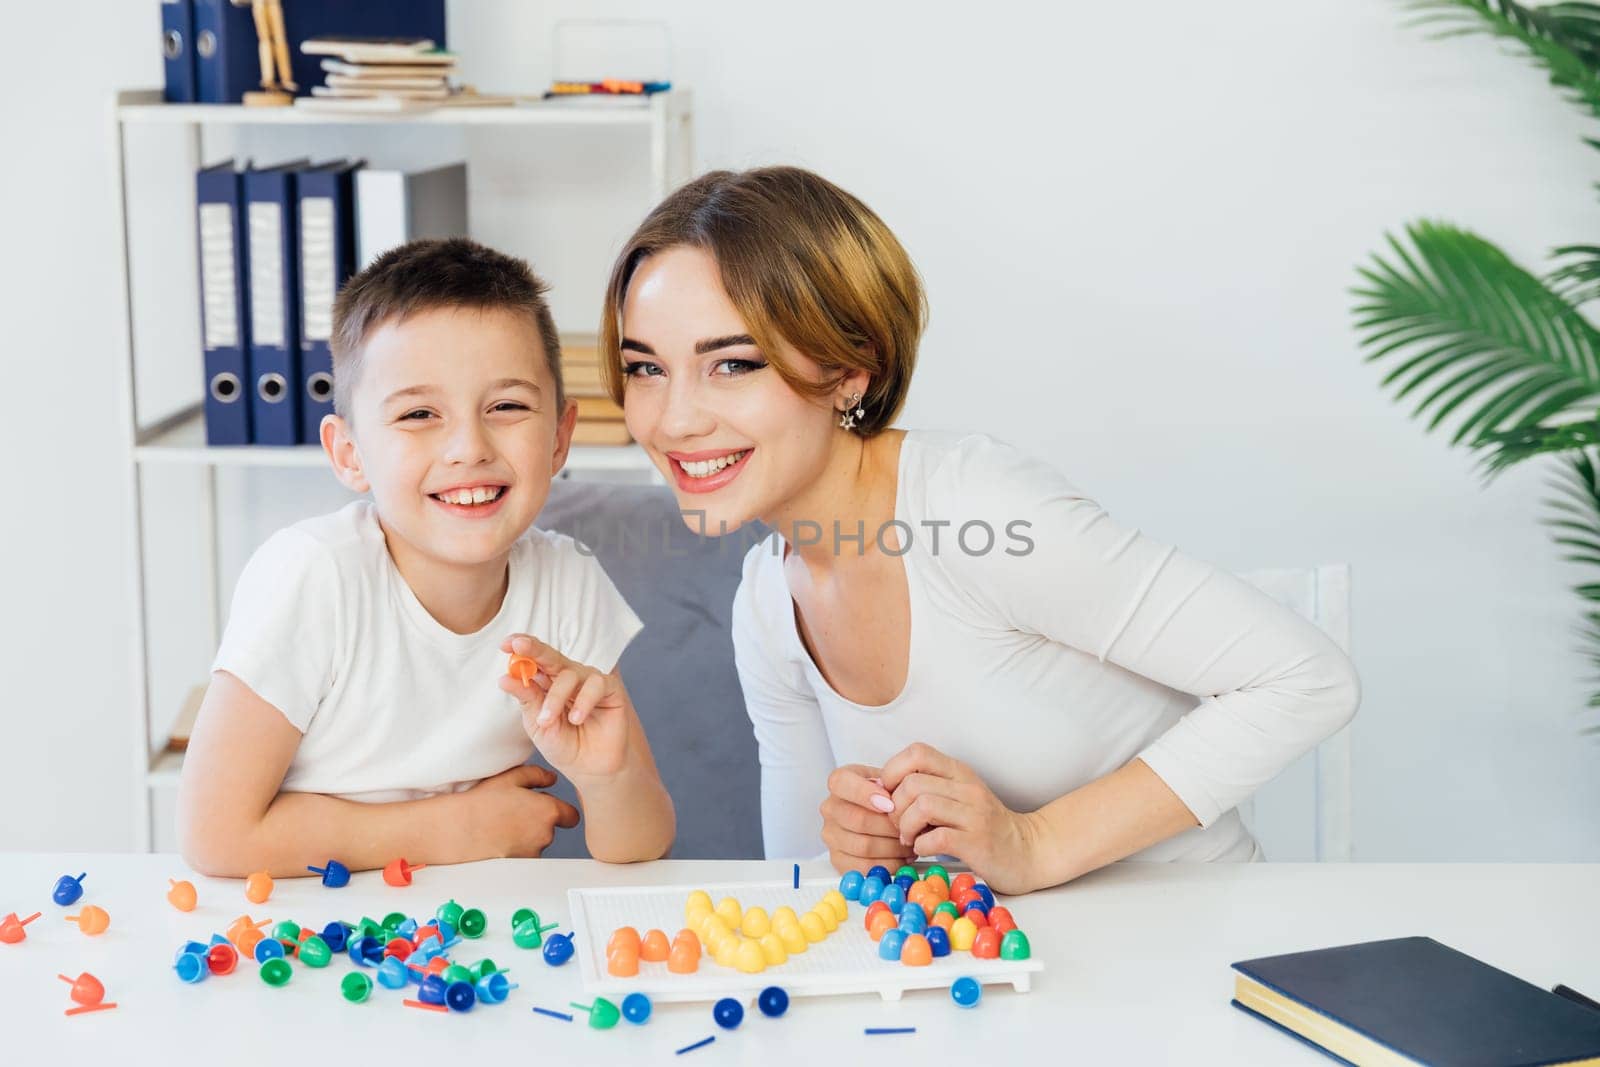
<point>599,417</point>
<point>387,74</point>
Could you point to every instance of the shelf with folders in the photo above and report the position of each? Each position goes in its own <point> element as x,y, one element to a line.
<point>183,556</point>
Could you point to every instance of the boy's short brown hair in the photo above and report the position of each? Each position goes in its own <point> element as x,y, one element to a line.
<point>435,273</point>
<point>803,261</point>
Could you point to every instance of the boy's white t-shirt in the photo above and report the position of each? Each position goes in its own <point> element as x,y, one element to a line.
<point>392,705</point>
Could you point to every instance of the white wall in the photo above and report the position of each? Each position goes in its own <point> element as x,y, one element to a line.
<point>1138,226</point>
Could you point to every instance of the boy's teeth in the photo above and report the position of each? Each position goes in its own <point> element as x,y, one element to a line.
<point>706,468</point>
<point>480,495</point>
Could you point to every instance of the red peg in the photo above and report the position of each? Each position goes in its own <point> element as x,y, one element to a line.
<point>86,988</point>
<point>11,928</point>
<point>398,872</point>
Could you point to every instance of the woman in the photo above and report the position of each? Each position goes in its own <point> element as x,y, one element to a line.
<point>944,647</point>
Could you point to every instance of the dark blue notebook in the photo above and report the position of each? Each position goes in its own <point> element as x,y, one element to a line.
<point>1413,1000</point>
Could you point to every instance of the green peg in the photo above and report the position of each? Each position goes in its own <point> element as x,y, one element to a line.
<point>449,912</point>
<point>355,987</point>
<point>314,952</point>
<point>937,871</point>
<point>529,933</point>
<point>947,907</point>
<point>276,971</point>
<point>481,970</point>
<point>288,932</point>
<point>392,921</point>
<point>907,869</point>
<point>456,973</point>
<point>522,915</point>
<point>473,923</point>
<point>1014,946</point>
<point>368,928</point>
<point>603,1014</point>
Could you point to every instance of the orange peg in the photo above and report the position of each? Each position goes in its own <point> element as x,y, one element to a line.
<point>258,887</point>
<point>91,920</point>
<point>11,928</point>
<point>881,923</point>
<point>522,669</point>
<point>623,963</point>
<point>398,872</point>
<point>654,949</point>
<point>916,952</point>
<point>86,988</point>
<point>181,895</point>
<point>624,937</point>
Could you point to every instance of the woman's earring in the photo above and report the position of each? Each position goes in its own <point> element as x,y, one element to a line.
<point>847,418</point>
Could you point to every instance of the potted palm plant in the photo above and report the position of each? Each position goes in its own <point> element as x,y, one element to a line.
<point>1503,357</point>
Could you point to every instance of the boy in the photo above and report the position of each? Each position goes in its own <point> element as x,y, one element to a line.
<point>353,710</point>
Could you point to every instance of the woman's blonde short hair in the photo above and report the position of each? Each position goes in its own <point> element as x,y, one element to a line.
<point>804,262</point>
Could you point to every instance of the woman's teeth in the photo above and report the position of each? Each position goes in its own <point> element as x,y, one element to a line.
<point>706,468</point>
<point>468,497</point>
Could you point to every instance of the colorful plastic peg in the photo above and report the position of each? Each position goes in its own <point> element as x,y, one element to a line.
<point>529,933</point>
<point>473,923</point>
<point>11,927</point>
<point>728,1013</point>
<point>222,959</point>
<point>448,912</point>
<point>182,895</point>
<point>938,942</point>
<point>91,920</point>
<point>522,669</point>
<point>392,974</point>
<point>268,948</point>
<point>258,887</point>
<point>966,992</point>
<point>773,1002</point>
<point>315,952</point>
<point>86,988</point>
<point>398,872</point>
<point>275,972</point>
<point>494,988</point>
<point>68,889</point>
<point>336,934</point>
<point>636,1008</point>
<point>558,949</point>
<point>891,944</point>
<point>654,947</point>
<point>366,951</point>
<point>191,967</point>
<point>986,945</point>
<point>1000,918</point>
<point>431,990</point>
<point>460,996</point>
<point>335,875</point>
<point>603,1014</point>
<point>1014,946</point>
<point>850,885</point>
<point>355,987</point>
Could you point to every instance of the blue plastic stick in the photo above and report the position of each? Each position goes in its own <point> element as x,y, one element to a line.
<point>890,1030</point>
<point>797,876</point>
<point>702,1043</point>
<point>554,1014</point>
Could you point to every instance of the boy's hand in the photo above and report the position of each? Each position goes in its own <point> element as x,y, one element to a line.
<point>577,716</point>
<point>518,820</point>
<point>942,807</point>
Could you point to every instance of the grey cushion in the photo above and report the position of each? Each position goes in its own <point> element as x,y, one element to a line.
<point>679,670</point>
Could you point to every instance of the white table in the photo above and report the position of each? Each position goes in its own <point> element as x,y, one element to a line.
<point>1136,966</point>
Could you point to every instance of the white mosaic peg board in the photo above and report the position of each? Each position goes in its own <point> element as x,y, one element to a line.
<point>846,961</point>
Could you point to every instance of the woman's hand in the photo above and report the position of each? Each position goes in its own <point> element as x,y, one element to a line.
<point>576,715</point>
<point>856,825</point>
<point>511,813</point>
<point>943,808</point>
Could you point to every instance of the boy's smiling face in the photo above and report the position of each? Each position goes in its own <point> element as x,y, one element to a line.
<point>454,429</point>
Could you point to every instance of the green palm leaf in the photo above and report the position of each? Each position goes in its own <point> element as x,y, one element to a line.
<point>1466,332</point>
<point>1574,521</point>
<point>1562,38</point>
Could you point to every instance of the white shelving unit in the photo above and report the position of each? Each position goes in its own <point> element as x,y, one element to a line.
<point>179,438</point>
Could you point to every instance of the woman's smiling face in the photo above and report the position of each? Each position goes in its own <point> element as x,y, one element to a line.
<point>734,439</point>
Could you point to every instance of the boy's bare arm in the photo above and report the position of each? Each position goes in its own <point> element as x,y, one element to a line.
<point>233,820</point>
